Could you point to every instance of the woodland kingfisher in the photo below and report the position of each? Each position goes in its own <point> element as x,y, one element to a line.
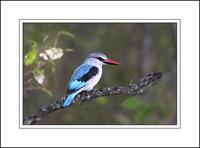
<point>87,75</point>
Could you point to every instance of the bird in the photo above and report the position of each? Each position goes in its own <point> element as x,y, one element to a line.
<point>87,75</point>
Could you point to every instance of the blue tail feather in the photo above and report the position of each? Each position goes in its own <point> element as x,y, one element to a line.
<point>69,99</point>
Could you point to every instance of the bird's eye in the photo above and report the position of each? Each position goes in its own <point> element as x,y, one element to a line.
<point>100,59</point>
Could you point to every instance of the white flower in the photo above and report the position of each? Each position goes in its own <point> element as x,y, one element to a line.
<point>44,56</point>
<point>52,53</point>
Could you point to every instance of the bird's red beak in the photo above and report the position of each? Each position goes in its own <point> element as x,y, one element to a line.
<point>111,62</point>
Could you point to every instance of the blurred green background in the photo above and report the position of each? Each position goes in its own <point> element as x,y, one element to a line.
<point>139,47</point>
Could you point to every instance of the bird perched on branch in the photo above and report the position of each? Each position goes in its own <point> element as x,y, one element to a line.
<point>87,75</point>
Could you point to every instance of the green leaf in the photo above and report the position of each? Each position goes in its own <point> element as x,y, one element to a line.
<point>102,101</point>
<point>142,114</point>
<point>30,57</point>
<point>67,34</point>
<point>47,91</point>
<point>39,75</point>
<point>163,109</point>
<point>132,103</point>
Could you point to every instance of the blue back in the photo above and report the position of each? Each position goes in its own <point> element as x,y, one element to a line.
<point>74,84</point>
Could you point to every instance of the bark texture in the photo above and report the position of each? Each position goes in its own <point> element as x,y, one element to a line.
<point>132,89</point>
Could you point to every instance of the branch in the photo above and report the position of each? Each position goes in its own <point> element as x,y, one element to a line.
<point>131,89</point>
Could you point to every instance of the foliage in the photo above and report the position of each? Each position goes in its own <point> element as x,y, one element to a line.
<point>47,57</point>
<point>39,75</point>
<point>132,103</point>
<point>102,101</point>
<point>30,57</point>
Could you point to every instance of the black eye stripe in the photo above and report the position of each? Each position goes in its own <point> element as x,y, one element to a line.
<point>100,59</point>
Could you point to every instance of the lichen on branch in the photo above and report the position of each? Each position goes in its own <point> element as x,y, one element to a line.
<point>132,89</point>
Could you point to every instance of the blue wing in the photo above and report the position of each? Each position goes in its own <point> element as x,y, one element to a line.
<point>74,83</point>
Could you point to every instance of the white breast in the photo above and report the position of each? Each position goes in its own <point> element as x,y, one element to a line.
<point>93,81</point>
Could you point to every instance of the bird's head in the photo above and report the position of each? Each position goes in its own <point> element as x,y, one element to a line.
<point>98,58</point>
